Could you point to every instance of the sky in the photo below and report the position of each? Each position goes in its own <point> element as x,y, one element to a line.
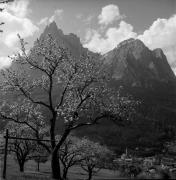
<point>100,24</point>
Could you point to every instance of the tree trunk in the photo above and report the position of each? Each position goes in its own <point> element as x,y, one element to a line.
<point>55,165</point>
<point>65,171</point>
<point>38,165</point>
<point>52,132</point>
<point>21,166</point>
<point>90,175</point>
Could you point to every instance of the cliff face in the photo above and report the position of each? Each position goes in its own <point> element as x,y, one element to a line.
<point>163,68</point>
<point>132,63</point>
<point>70,41</point>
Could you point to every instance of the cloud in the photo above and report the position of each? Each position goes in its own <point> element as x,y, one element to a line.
<point>57,15</point>
<point>43,21</point>
<point>161,34</point>
<point>174,70</point>
<point>79,16</point>
<point>105,39</point>
<point>15,25</point>
<point>89,19</point>
<point>5,62</point>
<point>19,8</point>
<point>16,22</point>
<point>109,14</point>
<point>96,42</point>
<point>85,19</point>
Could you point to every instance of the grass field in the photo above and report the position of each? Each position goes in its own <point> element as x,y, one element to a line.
<point>75,173</point>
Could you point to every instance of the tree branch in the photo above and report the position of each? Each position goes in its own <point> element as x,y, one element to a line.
<point>95,121</point>
<point>6,1</point>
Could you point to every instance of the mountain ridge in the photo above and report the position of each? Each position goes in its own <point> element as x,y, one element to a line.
<point>134,63</point>
<point>130,61</point>
<point>69,41</point>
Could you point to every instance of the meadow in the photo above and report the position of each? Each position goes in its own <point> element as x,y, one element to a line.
<point>30,173</point>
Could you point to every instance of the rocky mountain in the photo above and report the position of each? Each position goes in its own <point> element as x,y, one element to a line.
<point>130,63</point>
<point>70,41</point>
<point>133,64</point>
<point>146,75</point>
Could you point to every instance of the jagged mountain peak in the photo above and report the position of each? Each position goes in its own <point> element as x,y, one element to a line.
<point>53,25</point>
<point>132,47</point>
<point>74,36</point>
<point>131,43</point>
<point>52,29</point>
<point>162,64</point>
<point>135,64</point>
<point>69,41</point>
<point>131,61</point>
<point>158,52</point>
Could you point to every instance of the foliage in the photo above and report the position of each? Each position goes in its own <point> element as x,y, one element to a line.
<point>26,114</point>
<point>130,170</point>
<point>89,155</point>
<point>95,156</point>
<point>39,155</point>
<point>156,173</point>
<point>20,148</point>
<point>70,153</point>
<point>75,90</point>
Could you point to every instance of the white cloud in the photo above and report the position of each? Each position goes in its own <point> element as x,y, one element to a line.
<point>43,21</point>
<point>109,14</point>
<point>5,62</point>
<point>19,8</point>
<point>96,42</point>
<point>104,39</point>
<point>15,25</point>
<point>162,34</point>
<point>16,22</point>
<point>57,15</point>
<point>89,34</point>
<point>174,70</point>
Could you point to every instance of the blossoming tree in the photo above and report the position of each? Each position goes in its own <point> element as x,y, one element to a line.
<point>69,89</point>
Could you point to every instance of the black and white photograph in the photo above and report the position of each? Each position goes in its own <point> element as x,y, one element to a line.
<point>87,89</point>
